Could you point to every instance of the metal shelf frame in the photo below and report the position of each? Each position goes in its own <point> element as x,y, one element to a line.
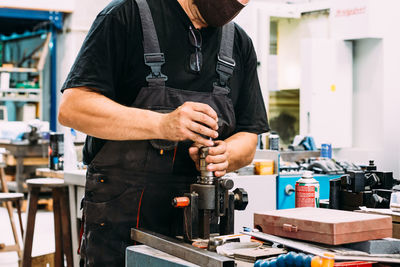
<point>19,70</point>
<point>56,19</point>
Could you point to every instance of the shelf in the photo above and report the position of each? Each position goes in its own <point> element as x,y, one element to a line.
<point>21,95</point>
<point>21,90</point>
<point>19,70</point>
<point>19,99</point>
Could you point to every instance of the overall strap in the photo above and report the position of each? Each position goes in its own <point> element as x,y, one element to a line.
<point>152,54</point>
<point>226,63</point>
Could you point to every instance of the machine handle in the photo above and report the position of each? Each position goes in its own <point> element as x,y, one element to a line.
<point>289,228</point>
<point>180,202</point>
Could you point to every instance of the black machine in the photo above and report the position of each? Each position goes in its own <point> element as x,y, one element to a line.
<point>325,166</point>
<point>33,136</point>
<point>209,206</point>
<point>368,187</point>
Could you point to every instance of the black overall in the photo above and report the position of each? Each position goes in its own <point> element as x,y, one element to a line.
<point>132,183</point>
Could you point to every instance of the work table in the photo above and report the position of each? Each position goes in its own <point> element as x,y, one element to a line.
<point>76,180</point>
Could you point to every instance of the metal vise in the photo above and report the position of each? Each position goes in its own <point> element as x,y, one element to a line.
<point>209,200</point>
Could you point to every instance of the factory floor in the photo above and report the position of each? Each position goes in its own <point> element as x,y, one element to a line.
<point>43,240</point>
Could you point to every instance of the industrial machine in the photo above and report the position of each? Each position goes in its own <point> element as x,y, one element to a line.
<point>208,211</point>
<point>368,187</point>
<point>209,206</point>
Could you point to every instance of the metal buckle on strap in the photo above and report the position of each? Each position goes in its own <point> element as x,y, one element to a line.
<point>227,61</point>
<point>155,61</point>
<point>225,67</point>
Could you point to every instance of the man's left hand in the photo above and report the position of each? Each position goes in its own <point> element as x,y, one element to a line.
<point>217,158</point>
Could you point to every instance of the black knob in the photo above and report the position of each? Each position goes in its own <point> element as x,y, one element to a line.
<point>241,199</point>
<point>371,166</point>
<point>226,184</point>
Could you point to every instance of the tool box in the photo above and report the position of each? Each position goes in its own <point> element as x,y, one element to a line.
<point>327,226</point>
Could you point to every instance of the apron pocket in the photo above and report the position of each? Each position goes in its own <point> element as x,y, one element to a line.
<point>161,144</point>
<point>107,227</point>
<point>113,214</point>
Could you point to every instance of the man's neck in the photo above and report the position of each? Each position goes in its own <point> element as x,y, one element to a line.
<point>193,13</point>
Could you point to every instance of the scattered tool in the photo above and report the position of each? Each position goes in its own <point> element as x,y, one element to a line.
<point>319,250</point>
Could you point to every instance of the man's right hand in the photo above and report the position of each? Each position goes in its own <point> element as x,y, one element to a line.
<point>191,121</point>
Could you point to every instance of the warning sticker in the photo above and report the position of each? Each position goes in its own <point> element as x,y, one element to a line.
<point>305,196</point>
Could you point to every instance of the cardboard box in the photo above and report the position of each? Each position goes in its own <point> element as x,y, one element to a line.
<point>333,227</point>
<point>265,167</point>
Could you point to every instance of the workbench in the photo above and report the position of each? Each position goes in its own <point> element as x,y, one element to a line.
<point>25,154</point>
<point>76,181</point>
<point>142,255</point>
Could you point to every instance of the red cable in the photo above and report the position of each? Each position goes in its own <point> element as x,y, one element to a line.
<point>138,213</point>
<point>173,160</point>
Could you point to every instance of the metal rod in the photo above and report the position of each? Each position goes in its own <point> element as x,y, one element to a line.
<point>180,249</point>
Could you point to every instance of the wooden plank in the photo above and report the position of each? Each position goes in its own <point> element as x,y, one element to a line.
<point>46,172</point>
<point>9,248</point>
<point>31,161</point>
<point>396,230</point>
<point>43,260</point>
<point>48,203</point>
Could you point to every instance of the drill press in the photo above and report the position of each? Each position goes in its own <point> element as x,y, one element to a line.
<point>210,204</point>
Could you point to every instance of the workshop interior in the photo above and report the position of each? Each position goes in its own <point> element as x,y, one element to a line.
<point>323,188</point>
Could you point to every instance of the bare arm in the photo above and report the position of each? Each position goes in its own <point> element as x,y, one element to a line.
<point>229,155</point>
<point>241,148</point>
<point>94,114</point>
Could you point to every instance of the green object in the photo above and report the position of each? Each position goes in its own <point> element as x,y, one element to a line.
<point>27,85</point>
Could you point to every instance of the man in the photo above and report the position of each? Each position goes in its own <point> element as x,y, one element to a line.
<point>158,79</point>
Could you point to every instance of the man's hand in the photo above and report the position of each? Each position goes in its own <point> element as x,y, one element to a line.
<point>191,121</point>
<point>217,158</point>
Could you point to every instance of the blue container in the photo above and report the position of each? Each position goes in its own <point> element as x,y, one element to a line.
<point>326,151</point>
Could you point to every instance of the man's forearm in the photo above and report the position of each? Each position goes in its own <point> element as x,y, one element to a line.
<point>96,115</point>
<point>241,148</point>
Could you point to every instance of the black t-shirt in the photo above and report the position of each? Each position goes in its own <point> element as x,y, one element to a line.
<point>111,61</point>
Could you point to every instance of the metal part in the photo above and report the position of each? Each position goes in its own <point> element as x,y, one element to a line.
<point>213,243</point>
<point>289,190</point>
<point>206,195</point>
<point>226,184</point>
<point>191,217</point>
<point>206,177</point>
<point>204,224</point>
<point>212,206</point>
<point>180,249</point>
<point>226,225</point>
